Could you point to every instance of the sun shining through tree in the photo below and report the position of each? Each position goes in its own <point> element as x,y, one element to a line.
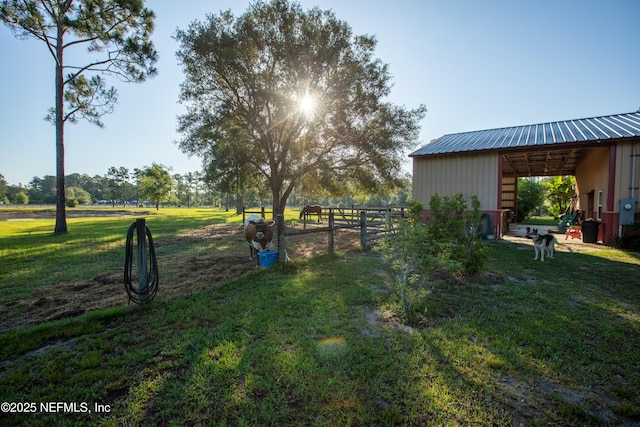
<point>246,112</point>
<point>307,104</point>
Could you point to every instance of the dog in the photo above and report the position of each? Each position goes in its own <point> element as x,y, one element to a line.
<point>543,244</point>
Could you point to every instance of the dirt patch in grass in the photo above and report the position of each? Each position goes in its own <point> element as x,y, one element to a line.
<point>222,256</point>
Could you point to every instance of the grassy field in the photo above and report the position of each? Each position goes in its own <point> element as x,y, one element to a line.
<point>317,343</point>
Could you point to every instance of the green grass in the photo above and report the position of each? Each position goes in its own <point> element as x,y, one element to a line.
<point>33,257</point>
<point>321,343</point>
<point>540,220</point>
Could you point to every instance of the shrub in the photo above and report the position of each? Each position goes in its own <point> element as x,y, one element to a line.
<point>453,233</point>
<point>630,239</point>
<point>406,253</point>
<point>450,241</point>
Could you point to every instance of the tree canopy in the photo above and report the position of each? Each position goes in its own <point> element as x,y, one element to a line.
<point>156,184</point>
<point>283,95</point>
<point>116,35</point>
<point>560,191</point>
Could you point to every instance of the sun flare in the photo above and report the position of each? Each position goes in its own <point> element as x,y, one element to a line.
<point>306,104</point>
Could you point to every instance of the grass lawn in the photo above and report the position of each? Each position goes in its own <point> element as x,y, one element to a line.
<point>320,342</point>
<point>540,220</point>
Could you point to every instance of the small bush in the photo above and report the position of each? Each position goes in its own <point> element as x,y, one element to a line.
<point>630,239</point>
<point>450,241</point>
<point>72,203</point>
<point>453,233</point>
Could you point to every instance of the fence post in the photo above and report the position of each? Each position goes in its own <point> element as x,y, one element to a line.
<point>262,213</point>
<point>282,254</point>
<point>243,218</point>
<point>143,285</point>
<point>363,230</point>
<point>331,231</point>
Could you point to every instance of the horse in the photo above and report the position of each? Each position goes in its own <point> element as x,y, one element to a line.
<point>312,210</point>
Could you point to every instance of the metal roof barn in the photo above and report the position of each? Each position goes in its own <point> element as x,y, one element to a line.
<point>602,153</point>
<point>543,149</point>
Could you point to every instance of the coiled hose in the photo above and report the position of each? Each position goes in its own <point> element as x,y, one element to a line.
<point>485,227</point>
<point>152,268</point>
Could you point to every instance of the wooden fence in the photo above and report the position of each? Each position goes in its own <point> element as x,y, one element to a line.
<point>374,224</point>
<point>378,224</point>
<point>261,212</point>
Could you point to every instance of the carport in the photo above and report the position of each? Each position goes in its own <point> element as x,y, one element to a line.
<point>601,152</point>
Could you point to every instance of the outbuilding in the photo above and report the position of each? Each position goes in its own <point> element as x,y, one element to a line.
<point>601,152</point>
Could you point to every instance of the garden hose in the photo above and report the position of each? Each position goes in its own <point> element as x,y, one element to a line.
<point>485,227</point>
<point>152,267</point>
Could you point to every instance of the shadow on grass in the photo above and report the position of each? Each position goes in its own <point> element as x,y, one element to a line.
<point>531,343</point>
<point>563,336</point>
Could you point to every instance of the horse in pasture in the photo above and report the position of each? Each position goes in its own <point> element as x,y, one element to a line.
<point>312,210</point>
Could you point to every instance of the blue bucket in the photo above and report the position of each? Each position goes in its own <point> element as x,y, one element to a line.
<point>267,258</point>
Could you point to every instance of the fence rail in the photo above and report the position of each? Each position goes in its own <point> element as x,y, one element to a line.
<point>262,212</point>
<point>374,224</point>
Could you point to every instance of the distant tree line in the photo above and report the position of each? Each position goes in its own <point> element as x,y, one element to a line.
<point>117,187</point>
<point>155,186</point>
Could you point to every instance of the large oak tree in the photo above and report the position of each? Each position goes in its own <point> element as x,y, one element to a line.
<point>291,96</point>
<point>116,35</point>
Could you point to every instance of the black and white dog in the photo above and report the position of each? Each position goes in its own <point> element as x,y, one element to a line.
<point>543,244</point>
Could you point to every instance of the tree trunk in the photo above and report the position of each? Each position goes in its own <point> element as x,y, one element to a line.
<point>280,201</point>
<point>239,203</point>
<point>61,216</point>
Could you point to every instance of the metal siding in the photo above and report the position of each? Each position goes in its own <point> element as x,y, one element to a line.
<point>465,174</point>
<point>623,174</point>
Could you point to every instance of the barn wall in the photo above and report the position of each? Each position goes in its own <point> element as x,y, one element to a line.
<point>469,175</point>
<point>623,174</point>
<point>592,174</point>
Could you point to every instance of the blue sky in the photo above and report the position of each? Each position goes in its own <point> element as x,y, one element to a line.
<point>474,64</point>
